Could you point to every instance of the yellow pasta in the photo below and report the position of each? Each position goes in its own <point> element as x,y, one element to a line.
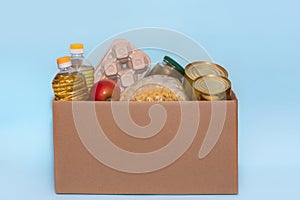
<point>156,94</point>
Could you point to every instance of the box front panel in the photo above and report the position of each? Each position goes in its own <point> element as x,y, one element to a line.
<point>193,152</point>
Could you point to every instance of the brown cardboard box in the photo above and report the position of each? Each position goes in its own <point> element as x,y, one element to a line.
<point>194,151</point>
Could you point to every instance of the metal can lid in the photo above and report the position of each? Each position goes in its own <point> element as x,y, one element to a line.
<point>211,84</point>
<point>203,68</point>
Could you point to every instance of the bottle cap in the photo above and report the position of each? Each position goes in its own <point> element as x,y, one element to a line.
<point>175,64</point>
<point>64,62</point>
<point>76,48</point>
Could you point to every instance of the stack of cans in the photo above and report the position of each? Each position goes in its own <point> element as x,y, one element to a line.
<point>206,81</point>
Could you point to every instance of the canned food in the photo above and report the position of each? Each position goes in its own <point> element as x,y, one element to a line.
<point>212,88</point>
<point>197,69</point>
<point>202,68</point>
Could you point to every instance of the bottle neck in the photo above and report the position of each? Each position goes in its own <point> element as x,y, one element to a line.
<point>165,62</point>
<point>66,69</point>
<point>77,55</point>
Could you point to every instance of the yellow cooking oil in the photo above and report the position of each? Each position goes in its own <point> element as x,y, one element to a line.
<point>88,72</point>
<point>69,84</point>
<point>80,63</point>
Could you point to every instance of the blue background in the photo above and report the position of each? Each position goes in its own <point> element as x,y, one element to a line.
<point>257,41</point>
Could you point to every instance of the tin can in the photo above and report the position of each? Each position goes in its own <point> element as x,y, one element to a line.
<point>212,88</point>
<point>197,69</point>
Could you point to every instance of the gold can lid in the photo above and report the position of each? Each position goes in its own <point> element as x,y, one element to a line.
<point>211,84</point>
<point>203,68</point>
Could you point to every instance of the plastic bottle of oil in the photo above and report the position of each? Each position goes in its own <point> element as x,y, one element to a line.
<point>69,84</point>
<point>79,62</point>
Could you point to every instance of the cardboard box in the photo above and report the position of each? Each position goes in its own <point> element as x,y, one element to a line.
<point>188,148</point>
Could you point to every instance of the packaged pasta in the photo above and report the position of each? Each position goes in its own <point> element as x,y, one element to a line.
<point>155,88</point>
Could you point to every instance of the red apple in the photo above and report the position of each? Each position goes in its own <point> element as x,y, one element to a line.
<point>105,90</point>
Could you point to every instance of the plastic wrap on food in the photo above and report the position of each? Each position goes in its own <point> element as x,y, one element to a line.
<point>155,88</point>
